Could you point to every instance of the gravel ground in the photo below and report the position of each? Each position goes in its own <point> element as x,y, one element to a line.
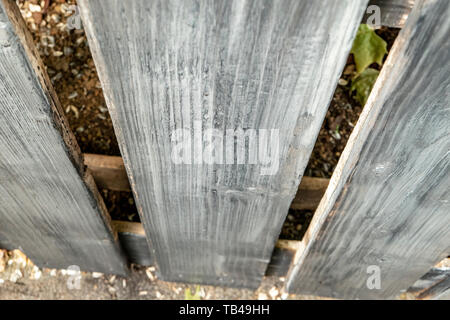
<point>20,279</point>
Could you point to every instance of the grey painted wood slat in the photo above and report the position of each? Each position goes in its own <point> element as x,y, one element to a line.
<point>168,65</point>
<point>46,209</point>
<point>109,173</point>
<point>133,240</point>
<point>388,200</point>
<point>435,285</point>
<point>393,13</point>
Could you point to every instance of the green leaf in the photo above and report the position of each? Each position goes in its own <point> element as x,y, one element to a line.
<point>189,296</point>
<point>367,48</point>
<point>363,85</point>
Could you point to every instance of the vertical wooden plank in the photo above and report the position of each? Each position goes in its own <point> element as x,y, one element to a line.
<point>388,201</point>
<point>109,173</point>
<point>167,66</point>
<point>47,210</point>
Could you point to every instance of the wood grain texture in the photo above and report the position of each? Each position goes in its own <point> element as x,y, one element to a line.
<point>244,64</point>
<point>133,240</point>
<point>309,194</point>
<point>394,13</point>
<point>49,205</point>
<point>282,257</point>
<point>435,285</point>
<point>109,173</point>
<point>388,203</point>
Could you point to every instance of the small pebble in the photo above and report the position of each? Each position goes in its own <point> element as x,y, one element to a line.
<point>68,51</point>
<point>343,82</point>
<point>37,275</point>
<point>73,95</point>
<point>34,7</point>
<point>112,279</point>
<point>75,111</point>
<point>273,292</point>
<point>262,296</point>
<point>149,274</point>
<point>79,41</point>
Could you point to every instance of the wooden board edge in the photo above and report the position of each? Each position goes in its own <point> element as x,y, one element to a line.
<point>59,119</point>
<point>109,172</point>
<point>132,236</point>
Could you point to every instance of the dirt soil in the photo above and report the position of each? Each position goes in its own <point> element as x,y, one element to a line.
<point>70,66</point>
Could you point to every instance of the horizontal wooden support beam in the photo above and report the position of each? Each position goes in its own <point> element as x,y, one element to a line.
<point>109,173</point>
<point>134,243</point>
<point>309,194</point>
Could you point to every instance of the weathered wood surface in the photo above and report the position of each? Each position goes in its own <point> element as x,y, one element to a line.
<point>133,240</point>
<point>435,285</point>
<point>282,257</point>
<point>393,13</point>
<point>49,206</point>
<point>228,65</point>
<point>309,194</point>
<point>109,173</point>
<point>388,203</point>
